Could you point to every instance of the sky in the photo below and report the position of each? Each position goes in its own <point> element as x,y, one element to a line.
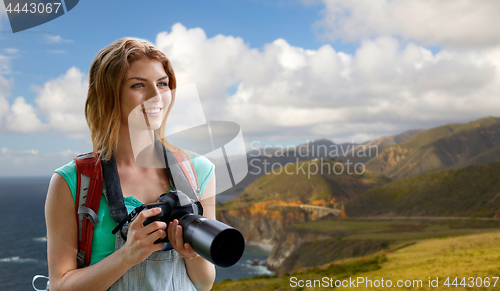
<point>286,71</point>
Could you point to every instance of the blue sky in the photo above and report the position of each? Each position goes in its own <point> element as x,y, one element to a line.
<point>94,24</point>
<point>286,71</point>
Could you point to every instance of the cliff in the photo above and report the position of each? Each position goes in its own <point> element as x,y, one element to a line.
<point>262,222</point>
<point>268,223</point>
<point>269,206</point>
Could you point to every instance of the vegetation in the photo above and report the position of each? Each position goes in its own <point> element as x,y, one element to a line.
<point>447,146</point>
<point>464,256</point>
<point>299,182</point>
<point>320,252</point>
<point>355,238</point>
<point>338,270</point>
<point>470,191</point>
<point>395,228</point>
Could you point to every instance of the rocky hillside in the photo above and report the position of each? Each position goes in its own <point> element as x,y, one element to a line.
<point>269,205</point>
<point>364,152</point>
<point>264,160</point>
<point>470,191</point>
<point>443,147</point>
<point>319,182</point>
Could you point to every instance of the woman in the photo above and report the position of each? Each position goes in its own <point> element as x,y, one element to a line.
<point>128,75</point>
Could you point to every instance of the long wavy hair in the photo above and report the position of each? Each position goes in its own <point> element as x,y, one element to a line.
<point>107,72</point>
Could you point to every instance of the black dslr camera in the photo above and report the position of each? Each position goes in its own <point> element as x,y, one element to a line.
<point>213,240</point>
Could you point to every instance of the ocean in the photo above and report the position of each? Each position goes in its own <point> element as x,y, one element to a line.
<point>23,247</point>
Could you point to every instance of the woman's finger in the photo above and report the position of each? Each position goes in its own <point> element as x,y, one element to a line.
<point>139,219</point>
<point>175,236</point>
<point>156,235</point>
<point>185,249</point>
<point>171,232</point>
<point>179,241</point>
<point>154,226</point>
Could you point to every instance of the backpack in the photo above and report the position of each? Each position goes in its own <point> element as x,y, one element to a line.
<point>91,184</point>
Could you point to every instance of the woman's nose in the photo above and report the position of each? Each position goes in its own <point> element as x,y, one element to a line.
<point>154,95</point>
<point>155,98</point>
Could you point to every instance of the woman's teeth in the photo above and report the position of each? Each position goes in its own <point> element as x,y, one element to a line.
<point>151,110</point>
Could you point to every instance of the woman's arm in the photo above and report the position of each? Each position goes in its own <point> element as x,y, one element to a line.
<point>62,244</point>
<point>200,271</point>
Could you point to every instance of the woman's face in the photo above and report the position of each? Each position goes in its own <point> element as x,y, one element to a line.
<point>145,94</point>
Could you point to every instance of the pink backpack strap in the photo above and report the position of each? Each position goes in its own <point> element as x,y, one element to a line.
<point>188,170</point>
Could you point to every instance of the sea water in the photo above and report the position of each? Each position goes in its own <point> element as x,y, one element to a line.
<point>23,244</point>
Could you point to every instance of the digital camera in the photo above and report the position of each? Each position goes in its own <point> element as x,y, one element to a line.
<point>213,240</point>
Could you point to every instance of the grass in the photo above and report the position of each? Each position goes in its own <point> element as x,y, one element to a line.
<point>470,191</point>
<point>475,255</point>
<point>439,148</point>
<point>397,229</point>
<point>340,270</point>
<point>464,256</point>
<point>307,181</point>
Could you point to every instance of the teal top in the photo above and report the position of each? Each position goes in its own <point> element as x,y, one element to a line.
<point>103,241</point>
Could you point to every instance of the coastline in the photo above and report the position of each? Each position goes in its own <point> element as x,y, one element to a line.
<point>264,247</point>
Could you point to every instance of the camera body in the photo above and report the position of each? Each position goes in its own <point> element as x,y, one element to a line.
<point>171,208</point>
<point>213,240</point>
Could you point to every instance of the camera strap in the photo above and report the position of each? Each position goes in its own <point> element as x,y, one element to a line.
<point>128,218</point>
<point>178,181</point>
<point>178,176</point>
<point>97,176</point>
<point>117,208</point>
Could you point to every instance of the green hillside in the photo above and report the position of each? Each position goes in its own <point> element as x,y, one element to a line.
<point>470,191</point>
<point>363,153</point>
<point>299,182</point>
<point>359,237</point>
<point>447,146</point>
<point>463,257</point>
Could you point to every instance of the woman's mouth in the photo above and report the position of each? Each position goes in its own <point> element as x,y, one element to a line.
<point>152,111</point>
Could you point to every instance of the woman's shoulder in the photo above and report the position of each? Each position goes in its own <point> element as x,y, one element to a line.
<point>201,163</point>
<point>204,169</point>
<point>69,167</point>
<point>68,172</point>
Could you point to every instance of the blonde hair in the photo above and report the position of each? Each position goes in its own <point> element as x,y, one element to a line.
<point>102,108</point>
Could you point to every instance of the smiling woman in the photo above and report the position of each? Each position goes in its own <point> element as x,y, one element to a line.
<point>147,98</point>
<point>131,93</point>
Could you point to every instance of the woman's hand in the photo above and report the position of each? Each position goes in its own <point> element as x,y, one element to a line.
<point>175,237</point>
<point>141,239</point>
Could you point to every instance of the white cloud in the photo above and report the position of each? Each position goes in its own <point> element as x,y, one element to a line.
<point>22,118</point>
<point>32,162</point>
<point>463,23</point>
<point>62,102</point>
<point>55,39</point>
<point>4,65</point>
<point>11,50</point>
<point>286,92</point>
<point>5,88</point>
<point>386,86</point>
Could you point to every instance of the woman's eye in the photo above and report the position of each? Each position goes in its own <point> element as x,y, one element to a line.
<point>137,85</point>
<point>163,84</point>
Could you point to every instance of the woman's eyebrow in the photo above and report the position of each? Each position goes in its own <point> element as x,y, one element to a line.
<point>137,78</point>
<point>142,79</point>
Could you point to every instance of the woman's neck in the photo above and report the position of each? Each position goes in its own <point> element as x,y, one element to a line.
<point>131,143</point>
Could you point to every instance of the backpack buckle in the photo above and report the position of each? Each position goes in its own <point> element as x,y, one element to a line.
<point>80,259</point>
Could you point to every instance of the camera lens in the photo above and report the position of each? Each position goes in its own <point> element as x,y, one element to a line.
<point>213,240</point>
